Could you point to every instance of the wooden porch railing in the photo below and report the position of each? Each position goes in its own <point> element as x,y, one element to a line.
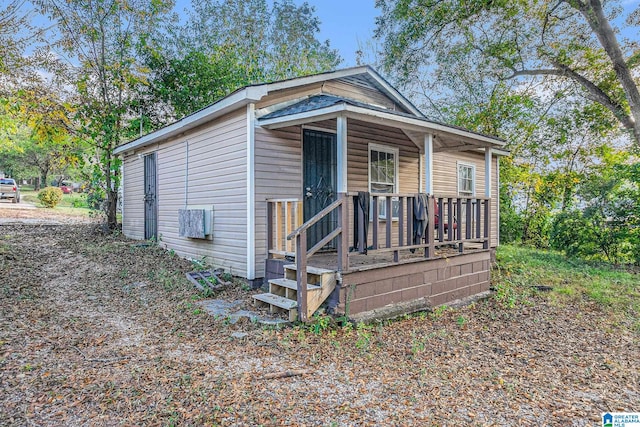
<point>451,221</point>
<point>283,216</point>
<point>303,254</point>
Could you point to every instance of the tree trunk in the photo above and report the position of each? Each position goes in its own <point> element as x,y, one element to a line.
<point>43,179</point>
<point>112,209</point>
<point>593,13</point>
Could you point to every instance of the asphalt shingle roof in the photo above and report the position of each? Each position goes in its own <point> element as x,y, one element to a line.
<point>317,102</point>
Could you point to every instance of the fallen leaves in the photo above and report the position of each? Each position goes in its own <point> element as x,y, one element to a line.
<point>80,347</point>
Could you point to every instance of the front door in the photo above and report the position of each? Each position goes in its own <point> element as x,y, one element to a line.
<point>150,199</point>
<point>319,175</point>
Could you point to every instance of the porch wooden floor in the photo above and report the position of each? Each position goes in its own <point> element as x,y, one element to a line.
<point>372,260</point>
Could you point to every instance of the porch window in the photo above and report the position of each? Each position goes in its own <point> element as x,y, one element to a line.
<point>466,179</point>
<point>383,175</point>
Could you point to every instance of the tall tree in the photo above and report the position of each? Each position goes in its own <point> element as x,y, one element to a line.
<point>561,41</point>
<point>103,35</point>
<point>228,44</point>
<point>17,34</point>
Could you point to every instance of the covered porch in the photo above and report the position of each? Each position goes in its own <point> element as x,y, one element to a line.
<point>390,263</point>
<point>376,254</point>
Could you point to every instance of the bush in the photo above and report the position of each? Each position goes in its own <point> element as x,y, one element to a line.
<point>50,196</point>
<point>79,202</point>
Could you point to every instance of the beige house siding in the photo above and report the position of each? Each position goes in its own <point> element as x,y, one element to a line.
<point>133,194</point>
<point>359,93</point>
<point>278,175</point>
<point>332,87</point>
<point>445,179</point>
<point>217,177</point>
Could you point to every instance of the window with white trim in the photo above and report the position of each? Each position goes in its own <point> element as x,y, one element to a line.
<point>383,175</point>
<point>466,179</point>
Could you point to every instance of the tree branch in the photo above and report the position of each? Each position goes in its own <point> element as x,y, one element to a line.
<point>593,91</point>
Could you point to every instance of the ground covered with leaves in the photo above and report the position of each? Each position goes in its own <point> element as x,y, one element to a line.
<point>99,330</point>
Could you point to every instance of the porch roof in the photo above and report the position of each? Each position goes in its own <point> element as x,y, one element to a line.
<point>322,107</point>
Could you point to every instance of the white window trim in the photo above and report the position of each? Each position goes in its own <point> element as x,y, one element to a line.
<point>390,150</point>
<point>473,178</point>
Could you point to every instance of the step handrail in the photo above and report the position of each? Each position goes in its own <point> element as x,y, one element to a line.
<point>317,217</point>
<point>303,254</point>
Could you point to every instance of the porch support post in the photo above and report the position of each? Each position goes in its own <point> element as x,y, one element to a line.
<point>428,163</point>
<point>341,131</point>
<point>487,193</point>
<point>487,172</point>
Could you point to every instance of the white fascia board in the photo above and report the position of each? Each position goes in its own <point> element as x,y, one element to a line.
<point>423,125</point>
<point>301,81</point>
<point>393,93</point>
<point>225,105</point>
<point>498,152</point>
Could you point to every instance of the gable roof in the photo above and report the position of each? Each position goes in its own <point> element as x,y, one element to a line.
<point>331,105</point>
<point>362,76</point>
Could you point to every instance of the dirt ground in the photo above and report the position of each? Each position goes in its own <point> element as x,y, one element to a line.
<point>97,330</point>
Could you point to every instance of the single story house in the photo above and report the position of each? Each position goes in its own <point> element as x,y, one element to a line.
<point>332,184</point>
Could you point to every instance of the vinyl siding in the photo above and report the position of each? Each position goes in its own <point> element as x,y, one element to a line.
<point>359,93</point>
<point>278,174</point>
<point>445,179</point>
<point>279,167</point>
<point>217,166</point>
<point>133,194</point>
<point>332,87</point>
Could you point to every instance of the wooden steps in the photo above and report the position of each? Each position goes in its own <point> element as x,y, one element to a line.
<point>283,292</point>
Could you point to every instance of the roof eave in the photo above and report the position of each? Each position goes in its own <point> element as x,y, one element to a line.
<point>409,123</point>
<point>225,105</point>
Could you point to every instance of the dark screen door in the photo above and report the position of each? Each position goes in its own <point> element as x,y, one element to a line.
<point>319,177</point>
<point>150,198</point>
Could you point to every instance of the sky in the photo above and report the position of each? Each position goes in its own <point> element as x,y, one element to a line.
<point>343,22</point>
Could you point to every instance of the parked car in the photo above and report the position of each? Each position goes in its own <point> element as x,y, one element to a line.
<point>66,189</point>
<point>9,190</point>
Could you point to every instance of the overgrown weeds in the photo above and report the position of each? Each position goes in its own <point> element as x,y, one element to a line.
<point>522,272</point>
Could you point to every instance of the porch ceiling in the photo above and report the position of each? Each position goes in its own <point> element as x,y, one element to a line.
<point>322,107</point>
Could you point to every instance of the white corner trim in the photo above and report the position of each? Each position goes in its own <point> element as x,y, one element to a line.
<point>251,196</point>
<point>487,172</point>
<point>122,183</point>
<point>497,201</point>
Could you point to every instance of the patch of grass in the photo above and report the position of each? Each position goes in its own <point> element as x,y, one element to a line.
<point>521,271</point>
<point>74,204</point>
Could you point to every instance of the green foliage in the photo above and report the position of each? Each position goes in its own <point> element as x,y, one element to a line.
<point>556,47</point>
<point>195,80</point>
<point>364,336</point>
<point>50,196</point>
<point>211,55</point>
<point>108,76</point>
<point>522,270</point>
<point>606,224</point>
